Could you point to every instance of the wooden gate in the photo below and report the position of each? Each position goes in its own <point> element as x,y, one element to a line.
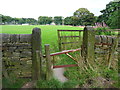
<point>69,39</point>
<point>87,49</point>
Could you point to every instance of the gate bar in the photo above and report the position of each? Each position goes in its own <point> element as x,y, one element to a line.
<point>63,52</point>
<point>62,66</point>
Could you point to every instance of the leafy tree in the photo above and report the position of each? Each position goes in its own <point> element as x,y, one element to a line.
<point>84,17</point>
<point>114,20</point>
<point>110,15</point>
<point>6,19</point>
<point>31,21</point>
<point>68,21</point>
<point>15,20</point>
<point>44,20</point>
<point>58,20</point>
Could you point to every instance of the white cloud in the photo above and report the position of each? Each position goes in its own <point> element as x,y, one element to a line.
<point>35,8</point>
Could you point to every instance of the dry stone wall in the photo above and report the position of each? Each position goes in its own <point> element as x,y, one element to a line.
<point>17,54</point>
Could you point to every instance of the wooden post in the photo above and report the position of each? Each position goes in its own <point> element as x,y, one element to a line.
<point>36,54</point>
<point>88,45</point>
<point>119,54</point>
<point>59,41</point>
<point>113,49</point>
<point>48,62</point>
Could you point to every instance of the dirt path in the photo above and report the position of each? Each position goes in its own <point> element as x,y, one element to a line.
<point>29,85</point>
<point>59,74</point>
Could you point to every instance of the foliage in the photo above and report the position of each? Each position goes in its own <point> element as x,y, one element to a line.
<point>53,83</point>
<point>84,17</point>
<point>110,15</point>
<point>80,17</point>
<point>10,20</point>
<point>43,20</point>
<point>58,20</point>
<point>86,78</point>
<point>72,20</point>
<point>68,21</point>
<point>114,20</point>
<point>13,82</point>
<point>101,29</point>
<point>6,19</point>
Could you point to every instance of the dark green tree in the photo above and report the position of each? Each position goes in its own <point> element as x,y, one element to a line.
<point>6,19</point>
<point>58,20</point>
<point>43,20</point>
<point>31,21</point>
<point>68,21</point>
<point>111,15</point>
<point>84,17</point>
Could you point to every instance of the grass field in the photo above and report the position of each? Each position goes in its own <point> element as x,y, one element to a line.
<point>75,74</point>
<point>49,32</point>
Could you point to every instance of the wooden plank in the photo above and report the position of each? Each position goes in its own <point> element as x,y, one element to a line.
<point>59,41</point>
<point>71,57</point>
<point>112,51</point>
<point>64,52</point>
<point>49,72</point>
<point>64,39</point>
<point>68,36</point>
<point>36,53</point>
<point>102,44</point>
<point>38,64</point>
<point>63,66</point>
<point>68,42</point>
<point>71,30</point>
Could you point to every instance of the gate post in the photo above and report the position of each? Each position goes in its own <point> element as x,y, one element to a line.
<point>36,54</point>
<point>49,72</point>
<point>119,54</point>
<point>88,45</point>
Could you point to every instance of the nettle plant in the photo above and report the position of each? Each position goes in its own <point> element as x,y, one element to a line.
<point>102,28</point>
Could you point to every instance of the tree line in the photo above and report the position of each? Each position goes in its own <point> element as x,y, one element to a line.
<point>82,16</point>
<point>10,20</point>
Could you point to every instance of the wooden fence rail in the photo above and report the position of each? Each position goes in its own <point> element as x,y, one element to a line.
<point>63,52</point>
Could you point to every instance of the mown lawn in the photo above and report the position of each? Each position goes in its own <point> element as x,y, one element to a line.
<point>49,32</point>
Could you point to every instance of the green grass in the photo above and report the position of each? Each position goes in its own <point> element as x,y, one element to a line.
<point>14,82</point>
<point>49,32</point>
<point>49,36</point>
<point>75,75</point>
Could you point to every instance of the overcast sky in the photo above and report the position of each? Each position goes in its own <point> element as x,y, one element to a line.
<point>36,8</point>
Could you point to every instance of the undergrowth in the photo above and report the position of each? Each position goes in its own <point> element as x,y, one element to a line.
<point>13,82</point>
<point>102,77</point>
